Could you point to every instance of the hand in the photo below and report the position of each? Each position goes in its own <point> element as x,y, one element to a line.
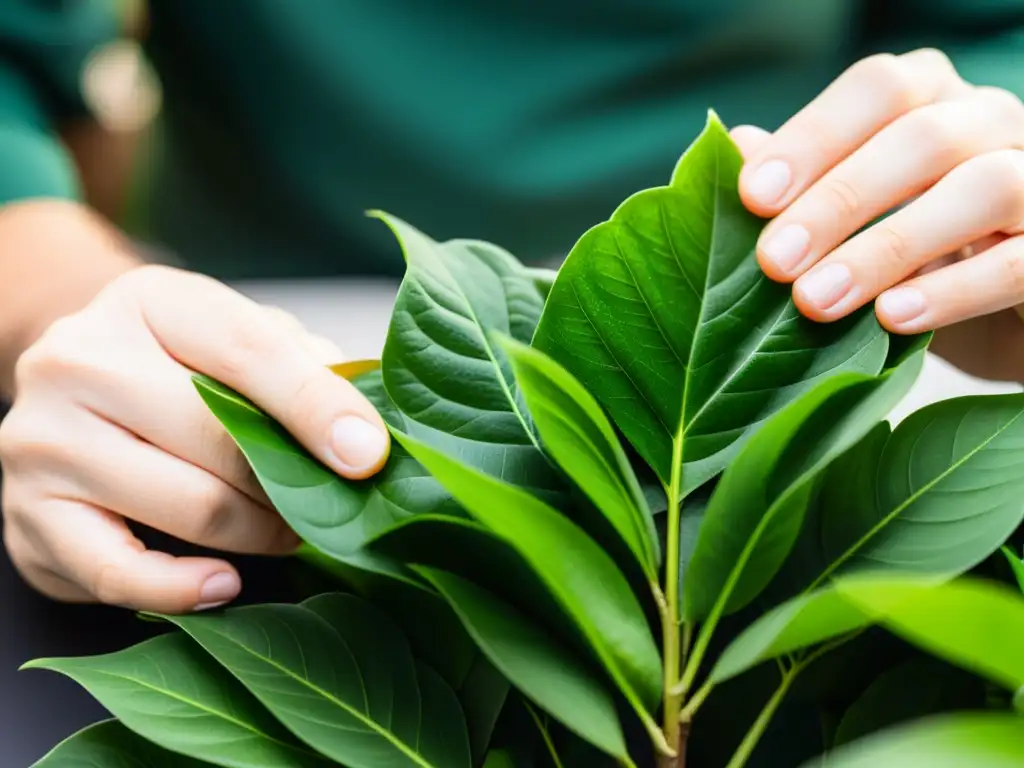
<point>106,428</point>
<point>898,131</point>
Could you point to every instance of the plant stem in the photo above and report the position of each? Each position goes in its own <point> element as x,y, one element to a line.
<point>542,727</point>
<point>670,628</point>
<point>746,747</point>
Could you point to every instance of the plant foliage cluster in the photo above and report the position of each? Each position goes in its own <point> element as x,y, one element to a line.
<point>629,506</point>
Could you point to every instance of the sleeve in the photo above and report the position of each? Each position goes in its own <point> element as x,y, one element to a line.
<point>983,38</point>
<point>45,46</point>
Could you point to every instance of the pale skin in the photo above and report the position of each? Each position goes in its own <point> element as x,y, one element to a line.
<point>106,426</point>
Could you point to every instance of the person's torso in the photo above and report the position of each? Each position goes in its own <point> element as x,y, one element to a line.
<point>518,122</point>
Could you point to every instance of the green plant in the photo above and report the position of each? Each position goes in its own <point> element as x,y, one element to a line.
<point>626,503</point>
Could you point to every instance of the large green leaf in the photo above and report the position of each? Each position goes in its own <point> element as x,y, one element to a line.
<point>947,490</point>
<point>109,744</point>
<point>579,436</point>
<point>334,515</point>
<point>756,511</point>
<point>541,667</point>
<point>171,692</point>
<point>582,577</point>
<point>442,369</point>
<point>976,624</point>
<point>664,315</point>
<point>946,741</point>
<point>917,688</point>
<point>341,677</point>
<point>437,637</point>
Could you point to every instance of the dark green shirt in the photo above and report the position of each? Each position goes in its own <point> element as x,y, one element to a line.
<point>521,122</point>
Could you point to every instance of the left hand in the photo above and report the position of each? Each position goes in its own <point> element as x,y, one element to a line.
<point>898,131</point>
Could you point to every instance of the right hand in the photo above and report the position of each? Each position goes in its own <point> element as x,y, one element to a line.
<point>106,427</point>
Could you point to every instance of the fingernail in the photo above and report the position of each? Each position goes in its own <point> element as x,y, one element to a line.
<point>826,285</point>
<point>358,444</point>
<point>787,247</point>
<point>901,305</point>
<point>217,590</point>
<point>770,182</point>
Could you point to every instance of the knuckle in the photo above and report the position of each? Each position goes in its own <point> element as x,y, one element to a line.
<point>1002,175</point>
<point>108,583</point>
<point>143,279</point>
<point>843,197</point>
<point>211,514</point>
<point>1013,266</point>
<point>246,345</point>
<point>892,245</point>
<point>931,130</point>
<point>885,76</point>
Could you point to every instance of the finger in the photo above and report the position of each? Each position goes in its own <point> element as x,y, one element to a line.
<point>861,101</point>
<point>36,573</point>
<point>985,284</point>
<point>982,196</point>
<point>319,347</point>
<point>901,161</point>
<point>233,340</point>
<point>94,549</point>
<point>749,138</point>
<point>142,483</point>
<point>148,387</point>
<point>136,480</point>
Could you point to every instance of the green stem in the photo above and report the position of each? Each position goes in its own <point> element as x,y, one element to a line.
<point>673,700</point>
<point>746,747</point>
<point>542,727</point>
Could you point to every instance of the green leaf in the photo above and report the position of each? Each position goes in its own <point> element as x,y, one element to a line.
<point>441,368</point>
<point>946,741</point>
<point>541,667</point>
<point>584,580</point>
<point>109,744</point>
<point>346,684</point>
<point>917,688</point>
<point>1016,565</point>
<point>756,511</point>
<point>437,638</point>
<point>664,315</point>
<point>948,490</point>
<point>170,692</point>
<point>801,622</point>
<point>579,436</point>
<point>334,515</point>
<point>976,624</point>
<point>483,695</point>
<point>500,758</point>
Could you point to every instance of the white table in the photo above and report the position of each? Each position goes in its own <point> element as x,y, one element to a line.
<point>354,314</point>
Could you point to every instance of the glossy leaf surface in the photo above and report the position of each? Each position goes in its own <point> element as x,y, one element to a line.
<point>991,740</point>
<point>108,744</point>
<point>585,581</point>
<point>341,677</point>
<point>947,490</point>
<point>539,665</point>
<point>443,370</point>
<point>755,514</point>
<point>334,515</point>
<point>578,435</point>
<point>170,691</point>
<point>664,315</point>
<point>797,624</point>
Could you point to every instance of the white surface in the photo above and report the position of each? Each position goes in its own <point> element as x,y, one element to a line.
<point>354,314</point>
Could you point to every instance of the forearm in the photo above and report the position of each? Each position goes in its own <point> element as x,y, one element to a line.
<point>55,256</point>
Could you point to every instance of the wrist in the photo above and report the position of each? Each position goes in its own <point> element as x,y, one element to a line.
<point>55,256</point>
